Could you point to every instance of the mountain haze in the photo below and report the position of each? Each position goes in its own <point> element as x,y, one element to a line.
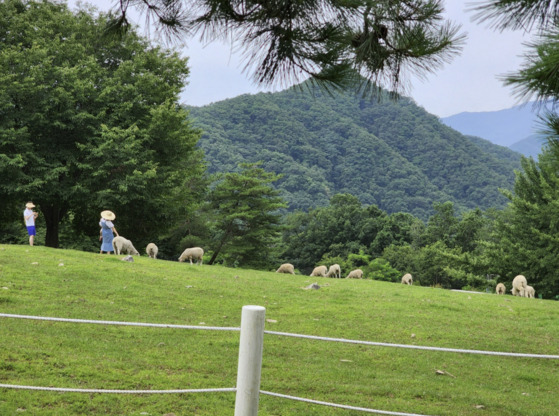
<point>516,127</point>
<point>389,153</point>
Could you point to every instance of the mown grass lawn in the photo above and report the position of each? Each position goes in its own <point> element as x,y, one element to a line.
<point>72,284</point>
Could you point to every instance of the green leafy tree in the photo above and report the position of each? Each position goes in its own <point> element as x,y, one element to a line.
<point>330,41</point>
<point>404,258</point>
<point>471,228</point>
<point>449,252</point>
<point>398,229</point>
<point>442,225</point>
<point>380,269</point>
<point>527,234</point>
<point>342,228</point>
<point>247,219</point>
<point>89,123</point>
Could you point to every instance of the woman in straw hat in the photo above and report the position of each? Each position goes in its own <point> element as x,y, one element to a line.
<point>106,233</point>
<point>29,217</point>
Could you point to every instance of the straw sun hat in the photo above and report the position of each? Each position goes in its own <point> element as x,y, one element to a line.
<point>30,205</point>
<point>108,215</point>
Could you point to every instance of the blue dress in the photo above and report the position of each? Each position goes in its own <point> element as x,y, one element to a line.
<point>107,233</point>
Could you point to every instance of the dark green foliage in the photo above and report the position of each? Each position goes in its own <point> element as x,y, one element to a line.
<point>332,42</point>
<point>387,153</point>
<point>448,252</point>
<point>527,233</point>
<point>89,123</point>
<point>337,230</point>
<point>380,269</point>
<point>246,223</point>
<point>345,232</point>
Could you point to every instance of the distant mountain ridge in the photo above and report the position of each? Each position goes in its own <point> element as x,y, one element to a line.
<point>392,154</point>
<point>516,127</point>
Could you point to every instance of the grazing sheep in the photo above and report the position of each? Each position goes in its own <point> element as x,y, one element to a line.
<point>286,268</point>
<point>123,246</point>
<point>500,289</point>
<point>529,292</point>
<point>152,250</point>
<point>193,253</point>
<point>355,274</point>
<point>335,271</point>
<point>519,284</point>
<point>407,279</point>
<point>319,271</point>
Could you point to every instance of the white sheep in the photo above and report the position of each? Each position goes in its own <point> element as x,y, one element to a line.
<point>500,289</point>
<point>319,271</point>
<point>407,279</point>
<point>529,292</point>
<point>519,284</point>
<point>286,268</point>
<point>355,274</point>
<point>152,250</point>
<point>193,253</point>
<point>123,246</point>
<point>335,271</point>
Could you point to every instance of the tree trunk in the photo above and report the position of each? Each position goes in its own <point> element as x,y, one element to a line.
<point>221,244</point>
<point>53,215</point>
<point>216,252</point>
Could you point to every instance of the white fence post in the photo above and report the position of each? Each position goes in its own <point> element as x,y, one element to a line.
<point>250,360</point>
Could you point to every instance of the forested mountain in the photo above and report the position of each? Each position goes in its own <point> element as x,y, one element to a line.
<point>390,153</point>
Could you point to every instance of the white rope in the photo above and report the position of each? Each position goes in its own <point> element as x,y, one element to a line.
<point>340,406</point>
<point>88,321</point>
<point>68,390</point>
<point>416,347</point>
<point>287,334</point>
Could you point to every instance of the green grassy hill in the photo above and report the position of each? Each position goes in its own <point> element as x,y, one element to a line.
<point>73,284</point>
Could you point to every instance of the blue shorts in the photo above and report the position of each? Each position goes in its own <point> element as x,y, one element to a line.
<point>31,230</point>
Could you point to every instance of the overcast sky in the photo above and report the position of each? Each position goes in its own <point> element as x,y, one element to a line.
<point>469,84</point>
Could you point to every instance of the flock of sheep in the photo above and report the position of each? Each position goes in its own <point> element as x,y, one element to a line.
<point>123,246</point>
<point>335,271</point>
<point>520,285</point>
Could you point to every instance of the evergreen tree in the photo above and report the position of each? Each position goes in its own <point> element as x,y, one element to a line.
<point>442,225</point>
<point>527,235</point>
<point>246,223</point>
<point>327,40</point>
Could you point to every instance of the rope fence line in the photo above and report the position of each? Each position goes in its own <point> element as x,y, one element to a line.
<point>216,390</point>
<point>243,405</point>
<point>72,390</point>
<point>339,406</point>
<point>143,324</point>
<point>287,334</point>
<point>416,347</point>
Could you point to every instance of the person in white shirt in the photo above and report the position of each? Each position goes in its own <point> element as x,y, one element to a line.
<point>29,217</point>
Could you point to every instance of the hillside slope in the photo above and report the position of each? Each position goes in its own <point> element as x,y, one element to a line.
<point>389,153</point>
<point>57,283</point>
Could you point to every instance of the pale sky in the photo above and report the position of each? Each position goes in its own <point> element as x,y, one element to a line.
<point>469,84</point>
